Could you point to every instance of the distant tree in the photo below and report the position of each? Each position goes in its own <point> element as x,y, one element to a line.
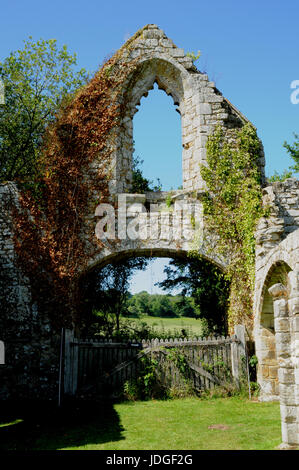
<point>106,291</point>
<point>161,306</point>
<point>37,79</point>
<point>140,184</point>
<point>207,286</point>
<point>141,303</point>
<point>293,151</point>
<point>185,307</point>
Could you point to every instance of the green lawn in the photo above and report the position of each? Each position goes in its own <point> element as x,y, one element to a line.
<point>175,325</point>
<point>182,424</point>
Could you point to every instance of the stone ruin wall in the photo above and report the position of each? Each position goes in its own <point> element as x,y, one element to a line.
<point>31,362</point>
<point>200,104</point>
<point>276,305</point>
<point>31,347</point>
<point>282,199</point>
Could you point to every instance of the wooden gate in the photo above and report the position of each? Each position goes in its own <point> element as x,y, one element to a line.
<point>91,364</point>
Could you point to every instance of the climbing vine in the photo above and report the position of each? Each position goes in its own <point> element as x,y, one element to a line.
<point>232,205</point>
<point>53,234</point>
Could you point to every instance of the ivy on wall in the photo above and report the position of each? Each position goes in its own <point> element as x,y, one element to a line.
<point>54,236</point>
<point>232,205</point>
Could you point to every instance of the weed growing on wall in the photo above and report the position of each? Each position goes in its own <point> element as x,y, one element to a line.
<point>53,234</point>
<point>232,206</point>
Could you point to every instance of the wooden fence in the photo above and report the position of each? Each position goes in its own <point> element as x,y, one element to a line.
<point>91,364</point>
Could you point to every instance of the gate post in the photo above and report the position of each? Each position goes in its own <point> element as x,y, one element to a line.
<point>237,350</point>
<point>240,333</point>
<point>71,363</point>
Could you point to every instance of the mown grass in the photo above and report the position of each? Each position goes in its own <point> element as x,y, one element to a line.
<point>173,325</point>
<point>183,424</point>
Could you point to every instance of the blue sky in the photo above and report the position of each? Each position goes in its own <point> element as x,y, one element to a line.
<point>250,49</point>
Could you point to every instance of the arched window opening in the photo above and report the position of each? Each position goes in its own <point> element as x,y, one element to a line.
<point>158,142</point>
<point>268,364</point>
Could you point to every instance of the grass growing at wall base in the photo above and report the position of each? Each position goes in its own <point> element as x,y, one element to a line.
<point>183,424</point>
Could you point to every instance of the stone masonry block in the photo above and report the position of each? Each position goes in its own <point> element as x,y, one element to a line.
<point>294,306</point>
<point>286,376</point>
<point>273,372</point>
<point>288,413</point>
<point>205,108</point>
<point>287,394</point>
<point>282,325</point>
<point>290,433</point>
<point>176,52</point>
<point>280,308</point>
<point>294,322</point>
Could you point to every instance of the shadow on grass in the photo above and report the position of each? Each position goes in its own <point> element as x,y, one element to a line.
<point>44,426</point>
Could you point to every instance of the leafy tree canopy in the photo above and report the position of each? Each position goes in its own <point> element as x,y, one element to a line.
<point>293,151</point>
<point>37,80</point>
<point>140,184</point>
<point>106,290</point>
<point>207,286</point>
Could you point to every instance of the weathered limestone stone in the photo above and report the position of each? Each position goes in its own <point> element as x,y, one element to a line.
<point>278,290</point>
<point>276,304</point>
<point>200,104</point>
<point>31,361</point>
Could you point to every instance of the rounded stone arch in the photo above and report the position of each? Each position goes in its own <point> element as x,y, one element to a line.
<point>170,77</point>
<point>276,273</point>
<point>123,253</point>
<point>101,260</point>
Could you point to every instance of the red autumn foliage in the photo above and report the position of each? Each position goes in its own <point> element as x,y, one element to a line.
<point>53,237</point>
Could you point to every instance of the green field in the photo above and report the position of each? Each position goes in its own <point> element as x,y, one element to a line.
<point>182,424</point>
<point>174,325</point>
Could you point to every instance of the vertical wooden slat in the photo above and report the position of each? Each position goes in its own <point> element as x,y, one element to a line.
<point>92,361</point>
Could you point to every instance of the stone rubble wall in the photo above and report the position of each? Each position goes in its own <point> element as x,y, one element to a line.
<point>273,235</point>
<point>276,304</point>
<point>31,362</point>
<point>282,199</point>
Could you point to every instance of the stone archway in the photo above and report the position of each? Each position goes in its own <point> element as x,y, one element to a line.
<point>266,343</point>
<point>202,108</point>
<point>276,333</point>
<point>201,105</point>
<point>199,280</point>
